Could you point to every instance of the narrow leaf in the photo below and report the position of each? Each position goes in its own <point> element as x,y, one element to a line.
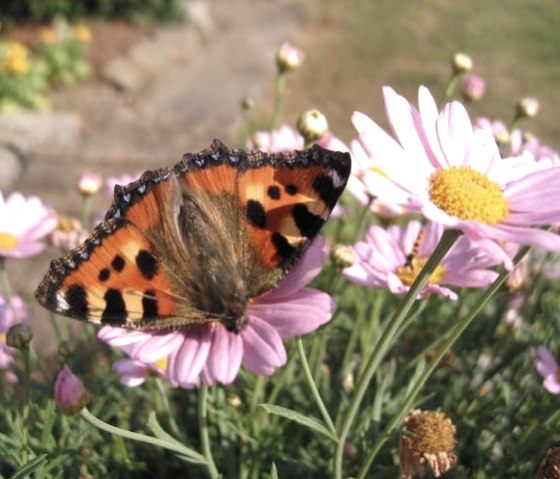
<point>30,467</point>
<point>307,421</point>
<point>273,472</point>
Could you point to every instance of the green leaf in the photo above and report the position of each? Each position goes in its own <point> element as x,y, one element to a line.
<point>187,454</point>
<point>273,472</point>
<point>30,467</point>
<point>307,421</point>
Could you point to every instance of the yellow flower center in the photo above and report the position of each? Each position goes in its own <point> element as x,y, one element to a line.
<point>162,363</point>
<point>8,242</point>
<point>3,338</point>
<point>468,195</point>
<point>408,273</point>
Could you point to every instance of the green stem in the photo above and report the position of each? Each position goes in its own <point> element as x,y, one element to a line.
<point>313,387</point>
<point>7,288</point>
<point>450,88</point>
<point>86,210</point>
<point>385,340</point>
<point>154,441</point>
<point>204,436</point>
<point>167,407</point>
<point>25,352</point>
<point>280,87</point>
<point>451,337</point>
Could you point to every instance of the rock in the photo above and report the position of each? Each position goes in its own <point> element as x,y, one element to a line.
<point>123,74</point>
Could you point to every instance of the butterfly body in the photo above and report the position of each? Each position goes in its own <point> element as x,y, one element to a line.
<point>196,242</point>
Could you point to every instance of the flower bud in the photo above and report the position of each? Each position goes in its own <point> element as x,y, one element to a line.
<point>89,183</point>
<point>461,63</point>
<point>19,336</point>
<point>69,392</point>
<point>288,58</point>
<point>234,400</point>
<point>343,256</point>
<point>527,108</point>
<point>473,87</point>
<point>312,125</point>
<point>247,103</point>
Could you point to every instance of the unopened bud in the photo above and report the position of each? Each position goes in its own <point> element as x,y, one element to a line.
<point>527,107</point>
<point>312,125</point>
<point>89,183</point>
<point>288,58</point>
<point>19,336</point>
<point>461,63</point>
<point>247,103</point>
<point>343,256</point>
<point>234,400</point>
<point>473,87</point>
<point>69,392</point>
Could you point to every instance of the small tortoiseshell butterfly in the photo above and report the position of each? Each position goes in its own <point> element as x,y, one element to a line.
<point>195,242</point>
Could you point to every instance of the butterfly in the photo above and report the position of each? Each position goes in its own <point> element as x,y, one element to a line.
<point>194,243</point>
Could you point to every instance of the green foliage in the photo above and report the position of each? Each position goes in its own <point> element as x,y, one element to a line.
<point>131,10</point>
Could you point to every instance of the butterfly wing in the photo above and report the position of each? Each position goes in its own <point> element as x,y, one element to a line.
<point>195,242</point>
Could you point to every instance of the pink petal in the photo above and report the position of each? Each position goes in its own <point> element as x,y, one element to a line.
<point>305,270</point>
<point>552,383</point>
<point>224,357</point>
<point>156,347</point>
<point>545,364</point>
<point>307,310</point>
<point>132,373</point>
<point>263,350</point>
<point>186,363</point>
<point>455,133</point>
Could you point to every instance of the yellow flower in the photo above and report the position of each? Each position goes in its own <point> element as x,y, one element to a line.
<point>82,33</point>
<point>15,58</point>
<point>47,36</point>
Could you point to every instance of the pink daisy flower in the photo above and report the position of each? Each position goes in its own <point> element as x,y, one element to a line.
<point>392,258</point>
<point>23,223</point>
<point>212,353</point>
<point>547,367</point>
<point>7,320</point>
<point>439,167</point>
<point>281,140</point>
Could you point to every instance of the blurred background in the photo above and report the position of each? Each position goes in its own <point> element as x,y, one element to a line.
<point>121,86</point>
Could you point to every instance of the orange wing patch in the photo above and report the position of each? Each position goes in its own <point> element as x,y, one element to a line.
<point>217,180</point>
<point>120,284</point>
<point>285,208</point>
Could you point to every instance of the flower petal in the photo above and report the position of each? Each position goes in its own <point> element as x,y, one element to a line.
<point>263,350</point>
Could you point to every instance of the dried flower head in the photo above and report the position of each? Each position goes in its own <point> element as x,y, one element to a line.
<point>429,438</point>
<point>19,336</point>
<point>549,468</point>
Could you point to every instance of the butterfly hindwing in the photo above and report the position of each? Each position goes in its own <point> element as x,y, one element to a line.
<point>194,243</point>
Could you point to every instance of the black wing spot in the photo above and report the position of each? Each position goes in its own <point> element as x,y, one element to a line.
<point>273,192</point>
<point>256,214</point>
<point>324,186</point>
<point>115,308</point>
<point>283,248</point>
<point>308,223</point>
<point>146,263</point>
<point>118,263</point>
<point>149,305</point>
<point>76,298</point>
<point>291,189</point>
<point>104,274</point>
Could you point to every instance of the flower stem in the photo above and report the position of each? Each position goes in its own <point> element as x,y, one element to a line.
<point>154,441</point>
<point>25,352</point>
<point>385,341</point>
<point>280,87</point>
<point>451,336</point>
<point>450,88</point>
<point>86,210</point>
<point>313,387</point>
<point>203,426</point>
<point>7,287</point>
